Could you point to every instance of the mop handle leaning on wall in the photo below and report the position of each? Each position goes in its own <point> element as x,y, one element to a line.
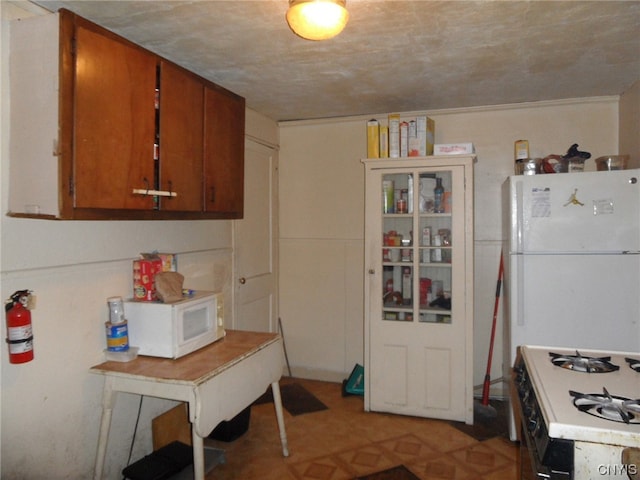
<point>487,377</point>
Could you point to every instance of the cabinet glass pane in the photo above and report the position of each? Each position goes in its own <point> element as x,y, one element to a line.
<point>435,246</point>
<point>397,247</point>
<point>417,246</point>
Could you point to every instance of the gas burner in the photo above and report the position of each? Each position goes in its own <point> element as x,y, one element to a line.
<point>607,406</point>
<point>634,364</point>
<point>583,364</point>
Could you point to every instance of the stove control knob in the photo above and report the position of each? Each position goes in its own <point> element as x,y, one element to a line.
<point>533,423</point>
<point>536,431</point>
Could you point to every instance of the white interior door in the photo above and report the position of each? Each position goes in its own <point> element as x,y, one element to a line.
<point>255,243</point>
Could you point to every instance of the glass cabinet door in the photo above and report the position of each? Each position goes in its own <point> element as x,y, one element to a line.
<point>417,246</point>
<point>419,287</point>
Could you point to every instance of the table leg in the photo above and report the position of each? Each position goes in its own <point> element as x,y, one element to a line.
<point>108,399</point>
<point>198,455</point>
<point>277,401</point>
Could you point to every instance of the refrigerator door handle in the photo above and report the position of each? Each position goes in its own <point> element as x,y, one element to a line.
<point>518,220</point>
<point>521,289</point>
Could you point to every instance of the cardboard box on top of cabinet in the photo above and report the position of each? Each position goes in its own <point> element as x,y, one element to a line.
<point>384,141</point>
<point>454,148</point>
<point>373,138</point>
<point>426,131</point>
<point>394,135</point>
<point>400,138</point>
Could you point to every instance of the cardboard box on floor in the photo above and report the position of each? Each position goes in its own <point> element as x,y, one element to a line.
<point>172,425</point>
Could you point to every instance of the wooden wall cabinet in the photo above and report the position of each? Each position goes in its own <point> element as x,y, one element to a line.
<point>121,133</point>
<point>223,167</point>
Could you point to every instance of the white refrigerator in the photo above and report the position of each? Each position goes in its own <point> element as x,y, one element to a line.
<point>572,261</point>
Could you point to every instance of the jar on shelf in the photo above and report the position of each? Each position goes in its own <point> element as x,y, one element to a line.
<point>438,196</point>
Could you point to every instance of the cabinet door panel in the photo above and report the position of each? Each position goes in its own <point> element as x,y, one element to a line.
<point>114,122</point>
<point>181,139</point>
<point>224,153</point>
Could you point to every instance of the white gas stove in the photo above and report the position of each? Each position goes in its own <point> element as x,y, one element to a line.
<point>579,411</point>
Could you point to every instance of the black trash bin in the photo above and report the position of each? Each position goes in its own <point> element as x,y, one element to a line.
<point>230,430</point>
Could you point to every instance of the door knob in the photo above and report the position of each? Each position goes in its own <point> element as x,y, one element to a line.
<point>242,280</point>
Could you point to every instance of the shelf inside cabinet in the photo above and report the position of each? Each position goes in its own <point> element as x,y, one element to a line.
<point>433,316</point>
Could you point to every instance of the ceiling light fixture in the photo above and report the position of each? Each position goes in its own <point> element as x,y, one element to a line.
<point>317,19</point>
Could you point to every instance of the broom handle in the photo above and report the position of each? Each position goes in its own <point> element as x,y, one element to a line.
<point>487,377</point>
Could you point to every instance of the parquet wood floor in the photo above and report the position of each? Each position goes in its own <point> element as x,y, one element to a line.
<point>345,442</point>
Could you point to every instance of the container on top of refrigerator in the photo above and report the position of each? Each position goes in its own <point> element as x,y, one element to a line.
<point>521,150</point>
<point>612,162</point>
<point>528,166</point>
<point>570,162</point>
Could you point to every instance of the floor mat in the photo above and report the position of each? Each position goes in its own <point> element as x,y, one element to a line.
<point>396,473</point>
<point>295,399</point>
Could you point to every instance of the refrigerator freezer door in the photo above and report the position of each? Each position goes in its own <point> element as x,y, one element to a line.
<point>575,213</point>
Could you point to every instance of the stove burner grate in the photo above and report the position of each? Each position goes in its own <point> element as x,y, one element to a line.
<point>608,407</point>
<point>581,363</point>
<point>634,364</point>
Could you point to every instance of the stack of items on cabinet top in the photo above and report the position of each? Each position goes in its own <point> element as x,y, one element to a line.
<point>400,137</point>
<point>410,137</point>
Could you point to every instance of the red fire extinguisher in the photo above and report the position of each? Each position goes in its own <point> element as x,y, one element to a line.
<point>19,331</point>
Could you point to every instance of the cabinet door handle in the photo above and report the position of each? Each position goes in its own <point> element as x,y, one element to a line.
<point>154,193</point>
<point>157,193</point>
<point>212,196</point>
<point>372,271</point>
<point>242,280</point>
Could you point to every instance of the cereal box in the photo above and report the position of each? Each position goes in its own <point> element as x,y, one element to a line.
<point>144,272</point>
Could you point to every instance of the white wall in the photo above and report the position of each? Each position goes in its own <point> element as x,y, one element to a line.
<point>51,406</point>
<point>322,218</point>
<point>630,124</point>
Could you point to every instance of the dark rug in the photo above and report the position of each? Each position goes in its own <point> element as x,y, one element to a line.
<point>486,427</point>
<point>295,399</point>
<point>396,473</point>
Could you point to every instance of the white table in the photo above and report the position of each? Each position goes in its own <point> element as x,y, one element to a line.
<point>217,382</point>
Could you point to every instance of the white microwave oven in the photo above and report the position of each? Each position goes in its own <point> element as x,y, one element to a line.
<point>172,330</point>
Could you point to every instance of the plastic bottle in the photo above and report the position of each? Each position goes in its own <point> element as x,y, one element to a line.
<point>438,193</point>
<point>116,310</point>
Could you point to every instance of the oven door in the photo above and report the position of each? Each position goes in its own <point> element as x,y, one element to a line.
<point>530,466</point>
<point>541,457</point>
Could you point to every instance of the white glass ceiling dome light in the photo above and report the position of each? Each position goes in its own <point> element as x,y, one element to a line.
<point>317,19</point>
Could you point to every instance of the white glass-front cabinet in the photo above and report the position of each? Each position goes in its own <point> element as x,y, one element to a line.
<point>419,286</point>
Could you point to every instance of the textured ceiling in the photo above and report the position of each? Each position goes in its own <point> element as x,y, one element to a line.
<point>393,55</point>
